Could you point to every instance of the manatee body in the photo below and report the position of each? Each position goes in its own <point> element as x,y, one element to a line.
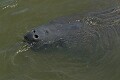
<point>96,32</point>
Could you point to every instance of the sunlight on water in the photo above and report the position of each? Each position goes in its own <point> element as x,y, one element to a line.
<point>24,48</point>
<point>8,4</point>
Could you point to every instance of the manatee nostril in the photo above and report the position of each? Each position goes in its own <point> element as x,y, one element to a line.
<point>36,36</point>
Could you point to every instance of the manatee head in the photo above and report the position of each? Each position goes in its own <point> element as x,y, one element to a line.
<point>45,36</point>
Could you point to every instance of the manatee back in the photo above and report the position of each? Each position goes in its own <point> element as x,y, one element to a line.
<point>96,29</point>
<point>100,32</point>
<point>106,26</point>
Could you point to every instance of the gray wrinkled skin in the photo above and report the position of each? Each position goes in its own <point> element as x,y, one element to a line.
<point>98,32</point>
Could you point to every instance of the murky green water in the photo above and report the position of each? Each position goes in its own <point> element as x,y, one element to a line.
<point>19,16</point>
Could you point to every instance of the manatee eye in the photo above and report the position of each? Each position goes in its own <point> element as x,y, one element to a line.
<point>33,31</point>
<point>46,31</point>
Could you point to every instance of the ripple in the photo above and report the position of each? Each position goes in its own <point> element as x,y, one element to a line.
<point>4,4</point>
<point>20,50</point>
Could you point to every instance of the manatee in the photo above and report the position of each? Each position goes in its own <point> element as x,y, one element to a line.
<point>95,33</point>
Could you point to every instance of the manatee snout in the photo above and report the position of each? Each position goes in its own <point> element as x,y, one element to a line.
<point>31,37</point>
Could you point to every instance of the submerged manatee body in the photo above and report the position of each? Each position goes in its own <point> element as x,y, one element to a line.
<point>96,33</point>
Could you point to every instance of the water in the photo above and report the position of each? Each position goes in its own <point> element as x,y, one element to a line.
<point>17,62</point>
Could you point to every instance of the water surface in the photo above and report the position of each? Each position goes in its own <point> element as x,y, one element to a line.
<point>19,16</point>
